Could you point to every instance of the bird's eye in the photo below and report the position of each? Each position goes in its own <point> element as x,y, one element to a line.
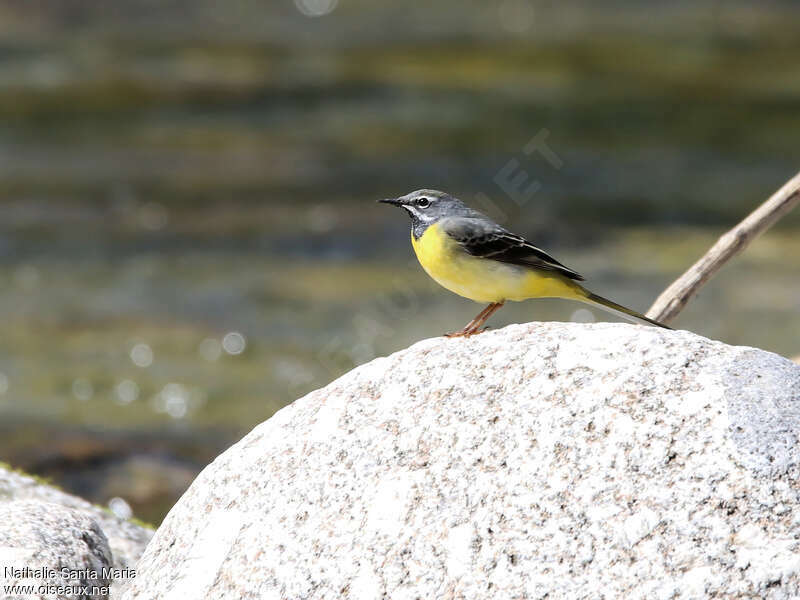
<point>423,202</point>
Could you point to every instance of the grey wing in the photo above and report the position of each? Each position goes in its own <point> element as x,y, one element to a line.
<point>485,239</point>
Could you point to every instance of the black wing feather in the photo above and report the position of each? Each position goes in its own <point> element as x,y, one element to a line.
<point>484,239</point>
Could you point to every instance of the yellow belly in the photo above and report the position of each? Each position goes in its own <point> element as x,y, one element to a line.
<point>485,280</point>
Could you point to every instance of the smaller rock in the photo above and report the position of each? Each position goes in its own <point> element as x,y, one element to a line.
<point>61,552</point>
<point>127,540</point>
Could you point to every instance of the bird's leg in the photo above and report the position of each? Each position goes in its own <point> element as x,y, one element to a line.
<point>482,318</point>
<point>468,327</point>
<point>473,326</point>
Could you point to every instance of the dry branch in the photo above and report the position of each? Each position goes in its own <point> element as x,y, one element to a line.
<point>674,298</point>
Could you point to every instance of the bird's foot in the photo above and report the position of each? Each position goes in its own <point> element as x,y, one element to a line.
<point>476,332</point>
<point>455,334</point>
<point>465,333</point>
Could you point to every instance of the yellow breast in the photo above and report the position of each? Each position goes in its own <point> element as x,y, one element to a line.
<point>480,279</point>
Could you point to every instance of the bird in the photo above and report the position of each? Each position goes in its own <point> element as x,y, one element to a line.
<point>467,253</point>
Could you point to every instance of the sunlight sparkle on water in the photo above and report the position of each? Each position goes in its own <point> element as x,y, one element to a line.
<point>120,508</point>
<point>234,343</point>
<point>126,392</point>
<point>174,400</point>
<point>177,399</point>
<point>316,8</point>
<point>142,355</point>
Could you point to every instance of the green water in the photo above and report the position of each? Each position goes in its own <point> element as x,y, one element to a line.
<point>169,179</point>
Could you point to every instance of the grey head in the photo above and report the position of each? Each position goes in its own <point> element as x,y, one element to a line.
<point>426,207</point>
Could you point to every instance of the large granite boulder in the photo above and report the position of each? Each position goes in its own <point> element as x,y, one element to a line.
<point>540,460</point>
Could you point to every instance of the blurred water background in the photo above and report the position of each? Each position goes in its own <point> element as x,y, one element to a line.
<point>188,234</point>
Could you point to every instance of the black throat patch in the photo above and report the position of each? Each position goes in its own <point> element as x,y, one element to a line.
<point>418,226</point>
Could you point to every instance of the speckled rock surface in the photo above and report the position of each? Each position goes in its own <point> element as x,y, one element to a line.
<point>540,460</point>
<point>126,540</point>
<point>46,544</point>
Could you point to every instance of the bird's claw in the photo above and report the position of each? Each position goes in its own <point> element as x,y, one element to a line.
<point>467,333</point>
<point>455,334</point>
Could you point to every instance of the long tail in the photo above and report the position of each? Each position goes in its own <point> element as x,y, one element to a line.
<point>618,309</point>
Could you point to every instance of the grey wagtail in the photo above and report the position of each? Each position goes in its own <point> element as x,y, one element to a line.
<point>472,256</point>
